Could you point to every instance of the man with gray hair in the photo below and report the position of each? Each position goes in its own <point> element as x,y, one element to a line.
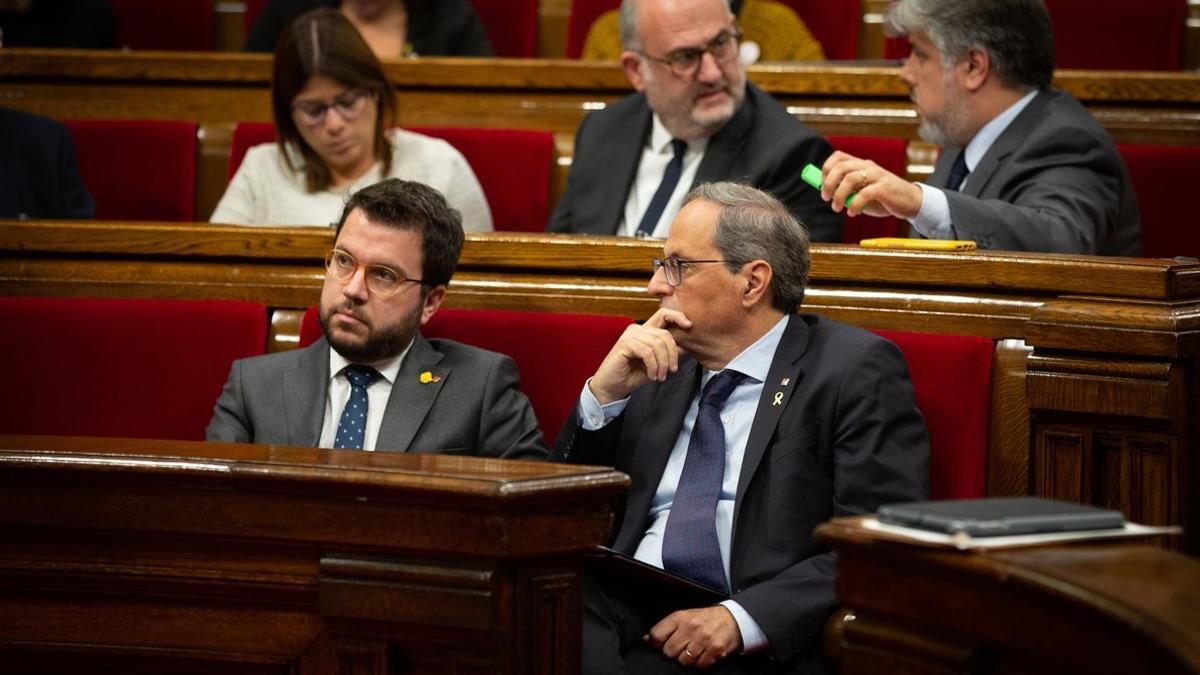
<point>743,425</point>
<point>693,119</point>
<point>1022,167</point>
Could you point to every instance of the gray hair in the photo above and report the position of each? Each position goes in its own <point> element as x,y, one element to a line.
<point>753,225</point>
<point>1016,34</point>
<point>630,39</point>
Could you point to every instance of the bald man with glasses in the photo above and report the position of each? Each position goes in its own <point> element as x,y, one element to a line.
<point>694,119</point>
<point>373,382</point>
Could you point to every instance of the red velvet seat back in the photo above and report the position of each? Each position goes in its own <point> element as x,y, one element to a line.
<point>176,25</point>
<point>952,379</point>
<point>1160,174</point>
<point>555,353</point>
<point>889,153</point>
<point>253,9</point>
<point>138,169</point>
<point>121,368</point>
<point>512,165</point>
<point>583,14</point>
<point>834,23</point>
<point>511,26</point>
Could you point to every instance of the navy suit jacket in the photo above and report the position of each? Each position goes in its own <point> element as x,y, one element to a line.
<point>41,178</point>
<point>1052,181</point>
<point>847,438</point>
<point>762,145</point>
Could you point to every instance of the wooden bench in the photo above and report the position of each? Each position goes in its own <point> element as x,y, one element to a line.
<point>1094,362</point>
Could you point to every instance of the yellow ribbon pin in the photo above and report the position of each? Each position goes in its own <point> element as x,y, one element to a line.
<point>778,399</point>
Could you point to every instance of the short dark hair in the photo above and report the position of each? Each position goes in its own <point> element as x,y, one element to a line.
<point>408,205</point>
<point>1016,34</point>
<point>753,225</point>
<point>323,42</point>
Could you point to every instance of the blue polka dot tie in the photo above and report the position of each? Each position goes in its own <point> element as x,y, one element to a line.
<point>690,545</point>
<point>353,425</point>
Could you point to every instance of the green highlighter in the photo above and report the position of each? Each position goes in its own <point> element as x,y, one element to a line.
<point>812,175</point>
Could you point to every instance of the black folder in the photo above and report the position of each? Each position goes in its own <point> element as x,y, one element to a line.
<point>999,516</point>
<point>653,590</point>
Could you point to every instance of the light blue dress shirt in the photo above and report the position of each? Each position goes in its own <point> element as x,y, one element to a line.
<point>737,416</point>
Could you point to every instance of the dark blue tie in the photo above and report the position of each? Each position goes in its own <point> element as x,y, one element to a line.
<point>690,545</point>
<point>665,189</point>
<point>353,425</point>
<point>958,172</point>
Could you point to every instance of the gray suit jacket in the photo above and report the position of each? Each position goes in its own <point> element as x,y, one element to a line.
<point>475,409</point>
<point>1053,181</point>
<point>762,145</point>
<point>846,438</point>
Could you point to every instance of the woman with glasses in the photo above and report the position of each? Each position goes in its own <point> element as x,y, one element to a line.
<point>333,107</point>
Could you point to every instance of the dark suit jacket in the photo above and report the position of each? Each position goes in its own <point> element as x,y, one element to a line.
<point>762,145</point>
<point>847,438</point>
<point>1052,181</point>
<point>40,176</point>
<point>435,27</point>
<point>476,408</point>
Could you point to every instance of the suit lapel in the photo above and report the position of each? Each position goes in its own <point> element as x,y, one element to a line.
<point>411,399</point>
<point>653,448</point>
<point>305,388</point>
<point>1004,145</point>
<point>725,145</point>
<point>785,365</point>
<point>625,157</point>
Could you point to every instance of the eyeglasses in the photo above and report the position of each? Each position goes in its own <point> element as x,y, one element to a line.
<point>381,279</point>
<point>684,63</point>
<point>673,268</point>
<point>349,105</point>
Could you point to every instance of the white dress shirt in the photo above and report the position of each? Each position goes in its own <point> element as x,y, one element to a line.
<point>933,220</point>
<point>377,397</point>
<point>738,417</point>
<point>656,155</point>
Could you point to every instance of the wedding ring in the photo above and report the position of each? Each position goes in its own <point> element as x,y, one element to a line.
<point>862,173</point>
<point>690,655</point>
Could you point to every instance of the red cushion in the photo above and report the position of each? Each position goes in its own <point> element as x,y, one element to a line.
<point>1160,174</point>
<point>555,353</point>
<point>834,23</point>
<point>952,379</point>
<point>138,169</point>
<point>889,153</point>
<point>124,368</point>
<point>176,25</point>
<point>511,26</point>
<point>513,167</point>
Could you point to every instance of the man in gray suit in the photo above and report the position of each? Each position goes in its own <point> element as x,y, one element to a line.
<point>1022,167</point>
<point>694,119</point>
<point>373,382</point>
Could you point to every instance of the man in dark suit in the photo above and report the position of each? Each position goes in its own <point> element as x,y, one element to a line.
<point>743,425</point>
<point>693,120</point>
<point>373,382</point>
<point>1022,167</point>
<point>40,178</point>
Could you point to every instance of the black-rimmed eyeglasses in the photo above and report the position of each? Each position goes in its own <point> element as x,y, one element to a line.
<point>349,105</point>
<point>673,268</point>
<point>685,62</point>
<point>381,279</point>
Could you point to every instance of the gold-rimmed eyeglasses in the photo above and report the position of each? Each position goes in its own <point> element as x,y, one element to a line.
<point>673,268</point>
<point>348,104</point>
<point>686,61</point>
<point>381,279</point>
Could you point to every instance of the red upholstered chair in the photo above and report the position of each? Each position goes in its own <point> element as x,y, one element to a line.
<point>175,25</point>
<point>511,26</point>
<point>583,14</point>
<point>889,153</point>
<point>120,368</point>
<point>1160,174</point>
<point>952,378</point>
<point>138,169</point>
<point>835,24</point>
<point>555,353</point>
<point>513,166</point>
<point>253,9</point>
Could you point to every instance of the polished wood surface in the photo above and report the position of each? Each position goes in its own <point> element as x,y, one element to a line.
<point>165,556</point>
<point>1096,375</point>
<point>217,90</point>
<point>1094,608</point>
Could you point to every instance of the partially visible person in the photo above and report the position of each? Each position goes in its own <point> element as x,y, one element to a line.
<point>68,24</point>
<point>776,32</point>
<point>333,106</point>
<point>373,382</point>
<point>1023,167</point>
<point>393,28</point>
<point>743,425</point>
<point>39,177</point>
<point>694,119</point>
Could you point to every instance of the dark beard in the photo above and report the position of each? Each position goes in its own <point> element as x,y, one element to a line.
<point>377,347</point>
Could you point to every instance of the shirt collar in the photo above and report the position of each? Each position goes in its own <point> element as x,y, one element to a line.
<point>755,360</point>
<point>388,368</point>
<point>983,140</point>
<point>660,139</point>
